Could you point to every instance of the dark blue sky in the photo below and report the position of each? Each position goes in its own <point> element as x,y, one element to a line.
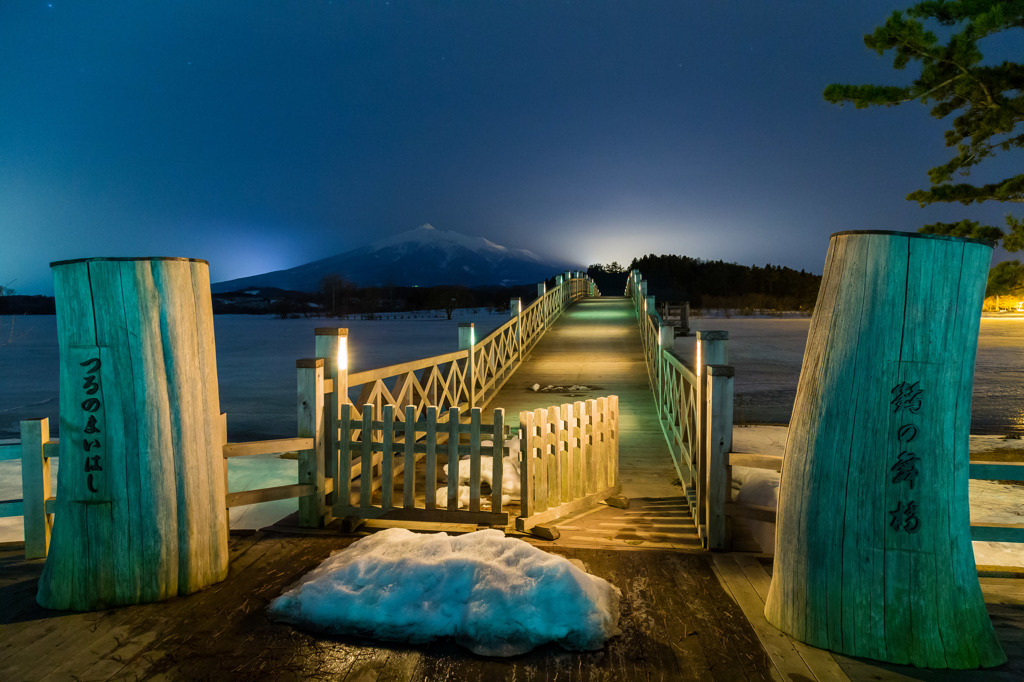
<point>260,135</point>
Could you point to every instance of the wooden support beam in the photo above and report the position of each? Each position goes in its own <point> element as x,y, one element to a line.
<point>268,447</point>
<point>312,470</point>
<point>35,487</point>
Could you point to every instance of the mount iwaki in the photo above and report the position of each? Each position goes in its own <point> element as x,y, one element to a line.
<point>421,257</point>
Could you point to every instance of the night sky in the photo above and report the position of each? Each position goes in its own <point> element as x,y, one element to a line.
<point>262,135</point>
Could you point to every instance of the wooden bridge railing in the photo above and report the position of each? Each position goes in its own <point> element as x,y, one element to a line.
<point>464,379</point>
<point>695,407</point>
<point>692,410</point>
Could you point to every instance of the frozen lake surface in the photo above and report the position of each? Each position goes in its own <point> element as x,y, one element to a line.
<point>256,357</point>
<point>256,365</point>
<point>256,372</point>
<point>767,354</point>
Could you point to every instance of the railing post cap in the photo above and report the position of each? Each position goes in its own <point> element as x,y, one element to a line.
<point>331,331</point>
<point>309,363</point>
<point>721,370</point>
<point>713,335</point>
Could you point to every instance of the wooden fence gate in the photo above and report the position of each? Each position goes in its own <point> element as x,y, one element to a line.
<point>393,445</point>
<point>566,461</point>
<point>569,459</point>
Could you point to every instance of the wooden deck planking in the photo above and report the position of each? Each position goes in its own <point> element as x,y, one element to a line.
<point>596,343</point>
<point>677,624</point>
<point>746,579</point>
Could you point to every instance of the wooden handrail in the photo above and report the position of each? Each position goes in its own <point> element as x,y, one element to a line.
<point>366,376</point>
<point>267,447</point>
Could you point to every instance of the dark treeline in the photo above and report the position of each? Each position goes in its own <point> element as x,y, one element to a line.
<point>715,284</point>
<point>13,304</point>
<point>338,297</point>
<point>333,301</point>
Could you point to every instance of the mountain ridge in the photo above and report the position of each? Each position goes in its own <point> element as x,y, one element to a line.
<point>423,256</point>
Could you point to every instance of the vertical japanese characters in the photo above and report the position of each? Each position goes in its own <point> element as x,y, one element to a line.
<point>906,402</point>
<point>92,430</point>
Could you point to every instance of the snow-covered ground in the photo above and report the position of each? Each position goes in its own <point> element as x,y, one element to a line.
<point>496,596</point>
<point>991,502</point>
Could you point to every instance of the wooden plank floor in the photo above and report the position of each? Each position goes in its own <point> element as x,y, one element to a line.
<point>746,579</point>
<point>677,624</point>
<point>596,343</point>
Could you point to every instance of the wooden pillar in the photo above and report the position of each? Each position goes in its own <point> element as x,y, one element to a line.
<point>666,342</point>
<point>712,349</point>
<point>873,544</point>
<point>312,465</point>
<point>332,347</point>
<point>718,427</point>
<point>35,487</point>
<point>542,290</point>
<point>467,342</point>
<point>140,515</point>
<point>515,307</point>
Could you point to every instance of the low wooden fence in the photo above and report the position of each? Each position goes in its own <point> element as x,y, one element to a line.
<point>394,443</point>
<point>453,383</point>
<point>696,418</point>
<point>569,459</point>
<point>566,459</point>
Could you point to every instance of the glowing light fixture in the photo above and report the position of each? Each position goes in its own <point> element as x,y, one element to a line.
<point>343,353</point>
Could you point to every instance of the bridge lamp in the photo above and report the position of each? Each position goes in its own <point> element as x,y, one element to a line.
<point>343,353</point>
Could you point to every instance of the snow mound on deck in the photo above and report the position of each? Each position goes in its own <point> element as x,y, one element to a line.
<point>494,595</point>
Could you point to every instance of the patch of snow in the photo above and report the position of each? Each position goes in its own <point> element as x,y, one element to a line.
<point>494,595</point>
<point>509,472</point>
<point>991,502</point>
<point>462,501</point>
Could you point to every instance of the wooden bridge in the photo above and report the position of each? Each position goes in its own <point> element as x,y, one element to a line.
<point>686,613</point>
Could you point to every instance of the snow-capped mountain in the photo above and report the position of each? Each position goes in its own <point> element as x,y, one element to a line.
<point>424,256</point>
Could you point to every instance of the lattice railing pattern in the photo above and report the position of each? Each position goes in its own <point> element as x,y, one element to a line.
<point>678,401</point>
<point>439,381</point>
<point>494,360</point>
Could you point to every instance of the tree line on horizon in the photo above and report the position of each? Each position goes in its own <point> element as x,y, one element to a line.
<point>714,284</point>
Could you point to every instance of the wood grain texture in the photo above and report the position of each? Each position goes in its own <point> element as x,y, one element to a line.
<point>873,554</point>
<point>139,414</point>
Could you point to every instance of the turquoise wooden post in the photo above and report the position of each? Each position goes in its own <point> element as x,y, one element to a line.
<point>35,487</point>
<point>873,549</point>
<point>331,345</point>
<point>712,349</point>
<point>719,443</point>
<point>312,508</point>
<point>141,512</point>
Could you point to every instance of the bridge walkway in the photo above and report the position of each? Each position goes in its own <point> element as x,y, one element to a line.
<point>596,344</point>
